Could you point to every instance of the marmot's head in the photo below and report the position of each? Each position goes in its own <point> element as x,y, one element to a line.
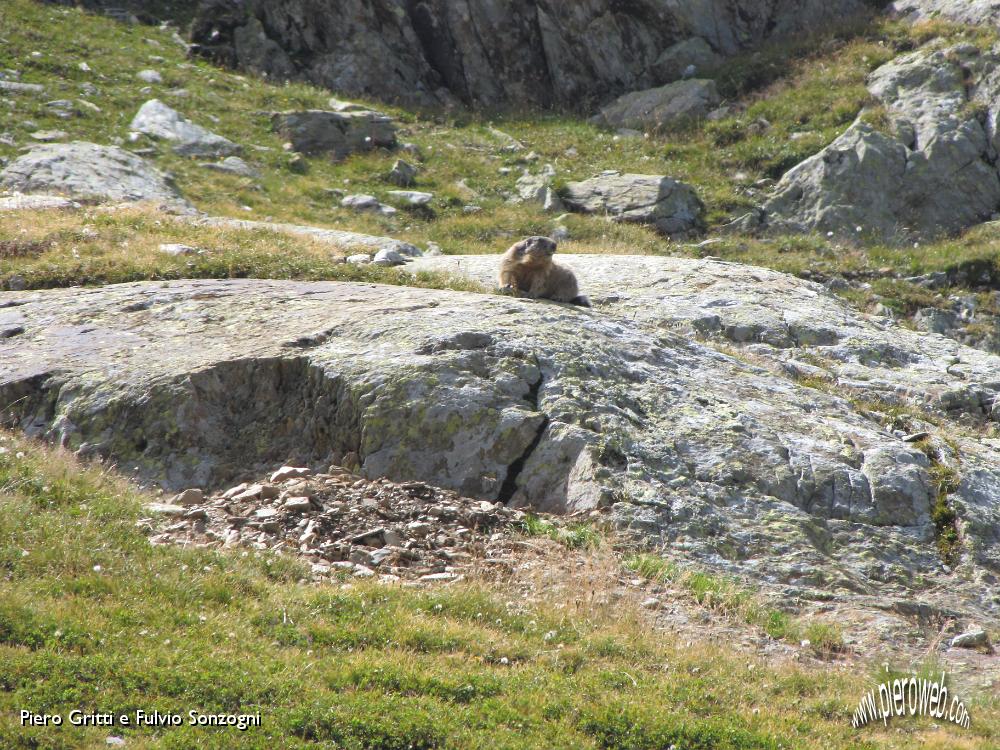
<point>534,251</point>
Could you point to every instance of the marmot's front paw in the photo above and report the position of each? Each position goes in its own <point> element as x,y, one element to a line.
<point>510,290</point>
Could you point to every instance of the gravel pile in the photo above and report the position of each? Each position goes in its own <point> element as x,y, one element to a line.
<point>340,522</point>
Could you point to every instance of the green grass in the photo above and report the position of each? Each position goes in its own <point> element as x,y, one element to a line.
<point>734,600</point>
<point>59,249</point>
<point>573,535</point>
<point>93,617</point>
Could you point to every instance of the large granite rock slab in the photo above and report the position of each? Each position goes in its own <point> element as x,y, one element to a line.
<point>317,131</point>
<point>670,206</point>
<point>726,458</point>
<point>87,171</point>
<point>159,121</point>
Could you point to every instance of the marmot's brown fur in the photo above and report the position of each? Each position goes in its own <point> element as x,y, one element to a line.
<point>527,267</point>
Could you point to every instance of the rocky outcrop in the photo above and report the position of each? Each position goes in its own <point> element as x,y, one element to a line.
<point>156,120</point>
<point>86,171</point>
<point>670,206</point>
<point>933,172</point>
<point>483,52</point>
<point>656,110</point>
<point>338,133</point>
<point>972,12</point>
<point>726,459</point>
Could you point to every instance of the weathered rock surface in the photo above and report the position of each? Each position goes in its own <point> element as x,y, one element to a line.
<point>935,174</point>
<point>483,52</point>
<point>972,12</point>
<point>659,109</point>
<point>159,121</point>
<point>782,323</point>
<point>317,131</point>
<point>86,171</point>
<point>671,206</point>
<point>725,459</point>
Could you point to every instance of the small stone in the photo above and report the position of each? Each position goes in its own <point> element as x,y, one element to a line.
<point>297,504</point>
<point>113,741</point>
<point>47,136</point>
<point>392,538</point>
<point>370,538</point>
<point>165,509</point>
<point>419,529</point>
<point>17,283</point>
<point>191,496</point>
<point>234,491</point>
<point>233,165</point>
<point>402,173</point>
<point>177,249</point>
<point>14,87</point>
<point>363,571</point>
<point>361,259</point>
<point>265,514</point>
<point>361,202</point>
<point>651,603</point>
<point>290,472</point>
<point>972,639</point>
<point>149,76</point>
<point>250,492</point>
<point>412,197</point>
<point>387,257</point>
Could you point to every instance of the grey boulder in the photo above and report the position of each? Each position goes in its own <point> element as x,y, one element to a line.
<point>670,206</point>
<point>87,171</point>
<point>931,174</point>
<point>233,165</point>
<point>661,108</point>
<point>537,189</point>
<point>340,134</point>
<point>159,121</point>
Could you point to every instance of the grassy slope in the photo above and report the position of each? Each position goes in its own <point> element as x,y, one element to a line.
<point>93,617</point>
<point>811,88</point>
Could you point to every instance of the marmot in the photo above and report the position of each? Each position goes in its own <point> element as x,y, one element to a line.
<point>527,267</point>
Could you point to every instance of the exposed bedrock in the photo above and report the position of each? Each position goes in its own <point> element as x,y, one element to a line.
<point>726,459</point>
<point>489,53</point>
